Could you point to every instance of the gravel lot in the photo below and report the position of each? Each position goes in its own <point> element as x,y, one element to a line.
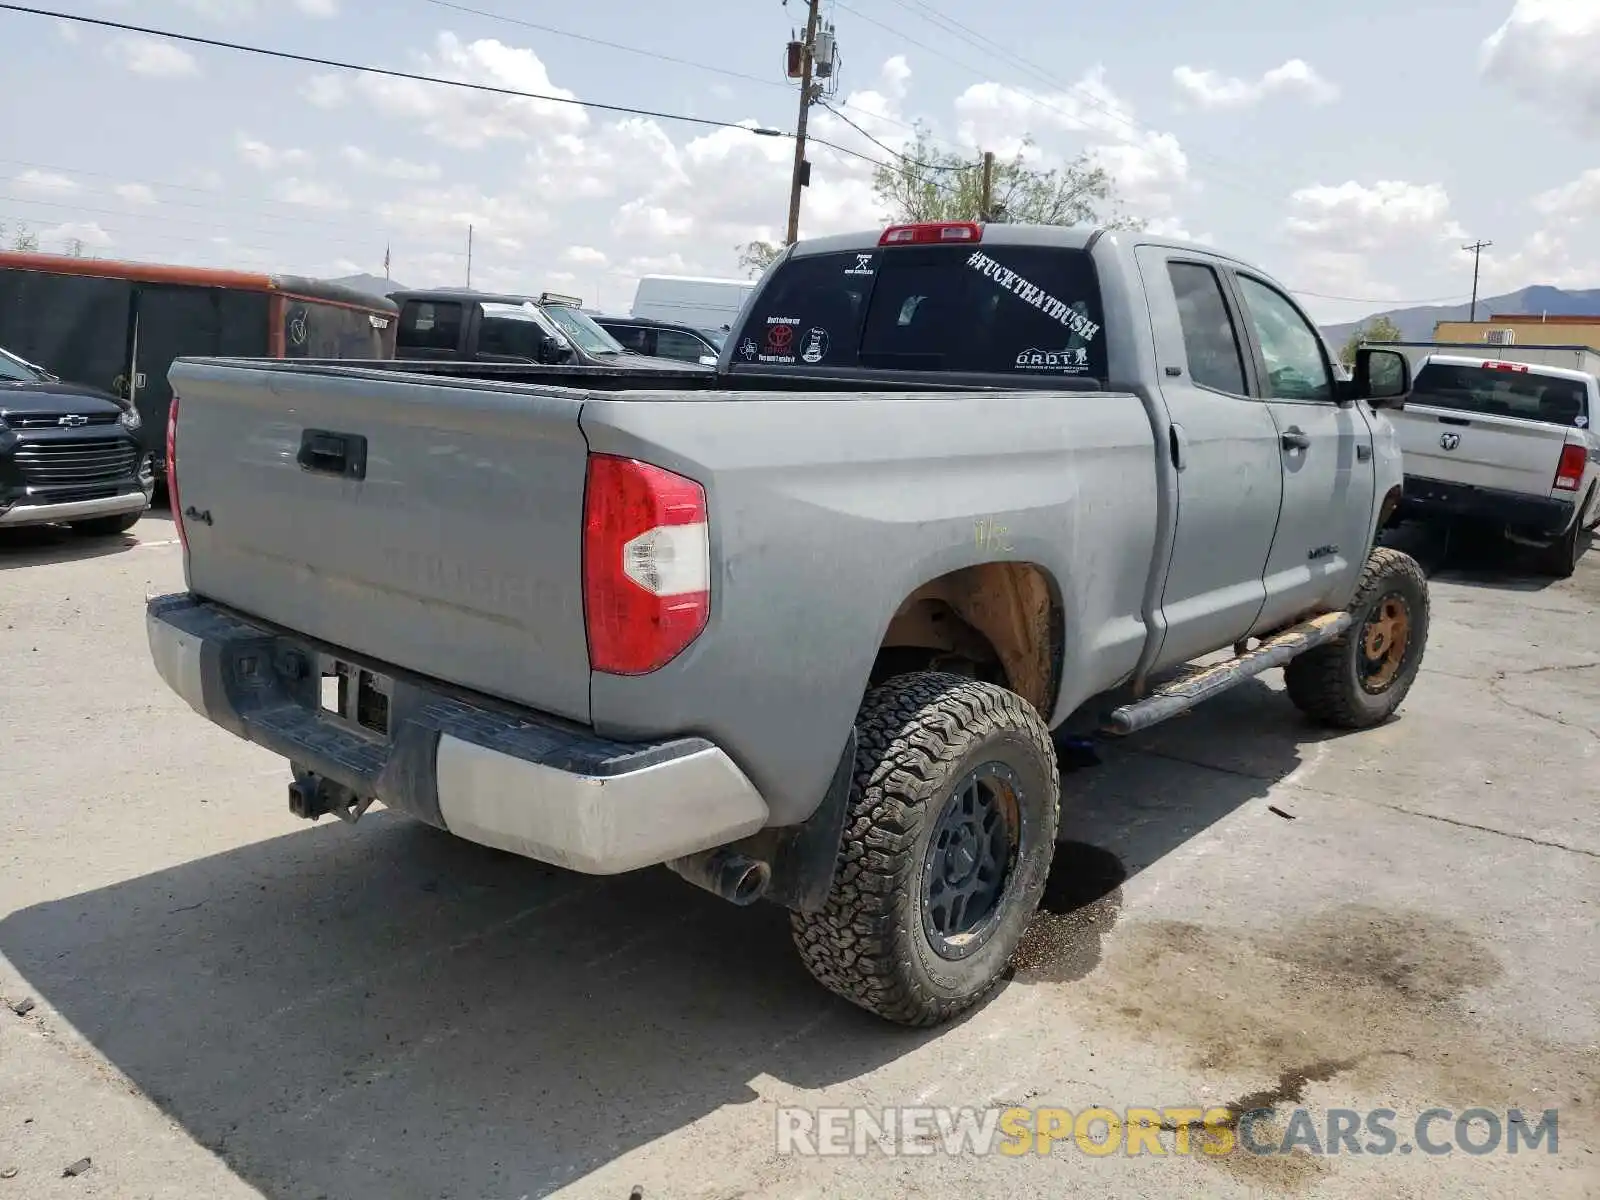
<point>230,1002</point>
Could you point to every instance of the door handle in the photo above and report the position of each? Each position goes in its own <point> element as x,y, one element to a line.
<point>327,453</point>
<point>1295,438</point>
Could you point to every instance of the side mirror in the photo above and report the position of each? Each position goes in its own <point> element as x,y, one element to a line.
<point>1382,378</point>
<point>707,360</point>
<point>552,351</point>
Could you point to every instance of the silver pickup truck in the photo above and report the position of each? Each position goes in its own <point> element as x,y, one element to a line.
<point>802,628</point>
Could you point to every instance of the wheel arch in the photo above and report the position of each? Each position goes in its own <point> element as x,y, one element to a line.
<point>1004,619</point>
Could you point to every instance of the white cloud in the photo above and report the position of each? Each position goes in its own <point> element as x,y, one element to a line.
<point>136,193</point>
<point>586,256</point>
<point>390,168</point>
<point>1212,89</point>
<point>1546,52</point>
<point>268,158</point>
<point>62,236</point>
<point>1148,168</point>
<point>310,194</point>
<point>152,57</point>
<point>68,32</point>
<point>1374,217</point>
<point>468,119</point>
<point>50,182</point>
<point>1357,239</point>
<point>1575,201</point>
<point>325,91</point>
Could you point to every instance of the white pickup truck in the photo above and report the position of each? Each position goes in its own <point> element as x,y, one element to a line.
<point>1505,444</point>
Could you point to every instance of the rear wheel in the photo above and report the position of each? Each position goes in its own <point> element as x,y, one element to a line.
<point>946,847</point>
<point>1359,679</point>
<point>106,526</point>
<point>1560,558</point>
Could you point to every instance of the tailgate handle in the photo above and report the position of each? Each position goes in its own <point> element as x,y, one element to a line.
<point>329,453</point>
<point>1454,421</point>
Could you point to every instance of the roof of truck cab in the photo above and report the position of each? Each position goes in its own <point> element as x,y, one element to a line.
<point>1066,237</point>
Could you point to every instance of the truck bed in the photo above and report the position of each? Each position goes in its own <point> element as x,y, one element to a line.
<point>458,555</point>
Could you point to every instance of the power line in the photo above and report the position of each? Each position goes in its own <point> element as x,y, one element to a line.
<point>899,155</point>
<point>1075,91</point>
<point>653,55</point>
<point>388,72</point>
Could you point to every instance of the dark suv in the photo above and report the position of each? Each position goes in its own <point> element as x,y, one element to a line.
<point>68,454</point>
<point>664,339</point>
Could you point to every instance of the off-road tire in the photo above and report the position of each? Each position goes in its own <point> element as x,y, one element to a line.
<point>918,737</point>
<point>1325,683</point>
<point>1560,559</point>
<point>106,526</point>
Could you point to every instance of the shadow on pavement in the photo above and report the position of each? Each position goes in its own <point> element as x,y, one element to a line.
<point>388,1011</point>
<point>1474,558</point>
<point>41,545</point>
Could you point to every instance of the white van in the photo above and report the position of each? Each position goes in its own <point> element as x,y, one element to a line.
<point>700,302</point>
<point>1509,444</point>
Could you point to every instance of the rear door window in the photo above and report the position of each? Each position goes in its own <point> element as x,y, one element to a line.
<point>1503,390</point>
<point>989,310</point>
<point>1210,339</point>
<point>670,343</point>
<point>430,325</point>
<point>632,337</point>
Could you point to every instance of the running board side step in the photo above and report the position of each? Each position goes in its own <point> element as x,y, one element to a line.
<point>1183,694</point>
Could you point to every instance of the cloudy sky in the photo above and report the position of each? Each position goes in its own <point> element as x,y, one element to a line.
<point>1350,148</point>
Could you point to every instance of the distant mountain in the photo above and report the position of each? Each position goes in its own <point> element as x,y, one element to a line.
<point>375,285</point>
<point>1416,324</point>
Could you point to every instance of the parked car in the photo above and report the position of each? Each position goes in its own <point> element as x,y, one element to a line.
<point>68,454</point>
<point>1508,445</point>
<point>447,325</point>
<point>802,629</point>
<point>664,339</point>
<point>117,326</point>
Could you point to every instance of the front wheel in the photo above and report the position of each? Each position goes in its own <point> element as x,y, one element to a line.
<point>946,847</point>
<point>1359,679</point>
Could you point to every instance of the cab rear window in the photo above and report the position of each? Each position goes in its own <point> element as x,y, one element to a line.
<point>1504,390</point>
<point>1011,310</point>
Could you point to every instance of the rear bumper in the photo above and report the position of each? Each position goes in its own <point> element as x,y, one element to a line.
<point>30,513</point>
<point>1534,516</point>
<point>516,780</point>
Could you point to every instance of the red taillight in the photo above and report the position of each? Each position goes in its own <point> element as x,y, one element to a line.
<point>1505,366</point>
<point>931,233</point>
<point>646,565</point>
<point>1569,473</point>
<point>172,471</point>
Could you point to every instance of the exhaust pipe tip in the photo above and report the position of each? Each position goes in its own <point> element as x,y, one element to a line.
<point>736,878</point>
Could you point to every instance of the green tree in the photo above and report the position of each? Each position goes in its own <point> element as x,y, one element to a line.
<point>1378,329</point>
<point>23,239</point>
<point>925,183</point>
<point>756,257</point>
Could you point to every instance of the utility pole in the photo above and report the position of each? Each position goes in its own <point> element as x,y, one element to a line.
<point>1476,249</point>
<point>802,169</point>
<point>986,199</point>
<point>469,255</point>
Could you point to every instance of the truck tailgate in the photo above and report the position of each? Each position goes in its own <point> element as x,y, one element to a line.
<point>1481,450</point>
<point>456,553</point>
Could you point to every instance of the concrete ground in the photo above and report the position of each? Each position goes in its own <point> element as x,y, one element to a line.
<point>229,1002</point>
